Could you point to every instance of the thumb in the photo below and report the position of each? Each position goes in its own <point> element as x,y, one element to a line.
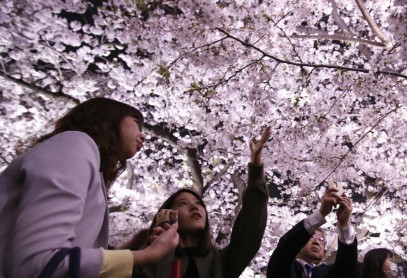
<point>173,229</point>
<point>251,144</point>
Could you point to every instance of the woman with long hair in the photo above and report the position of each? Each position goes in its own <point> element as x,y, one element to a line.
<point>195,255</point>
<point>53,197</point>
<point>378,263</point>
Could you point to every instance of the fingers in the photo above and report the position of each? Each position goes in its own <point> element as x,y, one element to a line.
<point>166,216</point>
<point>344,212</point>
<point>328,201</point>
<point>330,197</point>
<point>158,230</point>
<point>170,236</point>
<point>251,145</point>
<point>331,191</point>
<point>345,202</point>
<point>266,135</point>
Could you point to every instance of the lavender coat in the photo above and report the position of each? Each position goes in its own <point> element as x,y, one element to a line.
<point>53,196</point>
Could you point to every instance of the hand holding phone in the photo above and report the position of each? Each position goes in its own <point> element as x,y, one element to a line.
<point>166,216</point>
<point>337,186</point>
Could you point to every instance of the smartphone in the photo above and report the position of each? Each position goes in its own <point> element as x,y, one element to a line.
<point>170,218</point>
<point>336,185</point>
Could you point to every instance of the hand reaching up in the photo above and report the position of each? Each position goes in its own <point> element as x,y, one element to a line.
<point>344,211</point>
<point>257,147</point>
<point>328,201</point>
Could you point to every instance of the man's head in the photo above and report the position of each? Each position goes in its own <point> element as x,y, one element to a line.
<point>314,250</point>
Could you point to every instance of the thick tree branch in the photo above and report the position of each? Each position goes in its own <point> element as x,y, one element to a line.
<point>191,153</point>
<point>308,64</point>
<point>217,176</point>
<point>196,169</point>
<point>37,88</point>
<point>337,18</point>
<point>372,23</point>
<point>240,185</point>
<point>343,27</point>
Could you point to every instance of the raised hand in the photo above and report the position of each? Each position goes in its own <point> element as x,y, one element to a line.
<point>344,211</point>
<point>328,201</point>
<point>257,147</point>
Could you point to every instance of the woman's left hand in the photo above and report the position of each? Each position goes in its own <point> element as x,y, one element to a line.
<point>257,147</point>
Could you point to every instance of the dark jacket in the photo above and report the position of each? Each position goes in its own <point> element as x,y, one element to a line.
<point>283,262</point>
<point>245,241</point>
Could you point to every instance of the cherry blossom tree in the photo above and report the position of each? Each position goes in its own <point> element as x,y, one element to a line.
<point>330,77</point>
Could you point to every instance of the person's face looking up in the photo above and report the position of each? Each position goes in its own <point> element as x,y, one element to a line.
<point>389,267</point>
<point>191,213</point>
<point>314,250</point>
<point>131,137</point>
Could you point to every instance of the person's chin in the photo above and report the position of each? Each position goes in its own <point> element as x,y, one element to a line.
<point>315,255</point>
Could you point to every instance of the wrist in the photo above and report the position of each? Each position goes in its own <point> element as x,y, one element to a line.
<point>344,224</point>
<point>144,257</point>
<point>323,212</point>
<point>256,160</point>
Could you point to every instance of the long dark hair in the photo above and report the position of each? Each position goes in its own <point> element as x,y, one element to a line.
<point>100,118</point>
<point>205,235</point>
<point>372,266</point>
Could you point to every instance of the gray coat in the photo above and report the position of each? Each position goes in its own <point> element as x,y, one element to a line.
<point>53,196</point>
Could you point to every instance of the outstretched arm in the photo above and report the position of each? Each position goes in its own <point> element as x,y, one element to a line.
<point>250,223</point>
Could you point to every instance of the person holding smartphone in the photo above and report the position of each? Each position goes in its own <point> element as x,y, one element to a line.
<point>196,256</point>
<point>300,251</point>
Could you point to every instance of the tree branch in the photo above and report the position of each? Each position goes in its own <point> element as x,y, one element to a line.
<point>309,64</point>
<point>240,185</point>
<point>359,140</point>
<point>37,88</point>
<point>191,153</point>
<point>196,169</point>
<point>337,18</point>
<point>338,37</point>
<point>217,177</point>
<point>224,81</point>
<point>372,23</point>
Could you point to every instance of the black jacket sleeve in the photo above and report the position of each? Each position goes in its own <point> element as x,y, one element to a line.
<point>346,261</point>
<point>282,260</point>
<point>248,229</point>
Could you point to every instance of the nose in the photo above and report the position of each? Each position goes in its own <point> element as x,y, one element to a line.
<point>315,240</point>
<point>142,137</point>
<point>193,206</point>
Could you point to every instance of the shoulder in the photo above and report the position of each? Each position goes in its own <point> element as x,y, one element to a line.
<point>71,145</point>
<point>73,137</point>
<point>74,140</point>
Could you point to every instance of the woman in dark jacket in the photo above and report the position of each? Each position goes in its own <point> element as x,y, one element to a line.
<point>195,255</point>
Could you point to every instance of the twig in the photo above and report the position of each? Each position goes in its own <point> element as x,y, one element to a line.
<point>309,64</point>
<point>359,140</point>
